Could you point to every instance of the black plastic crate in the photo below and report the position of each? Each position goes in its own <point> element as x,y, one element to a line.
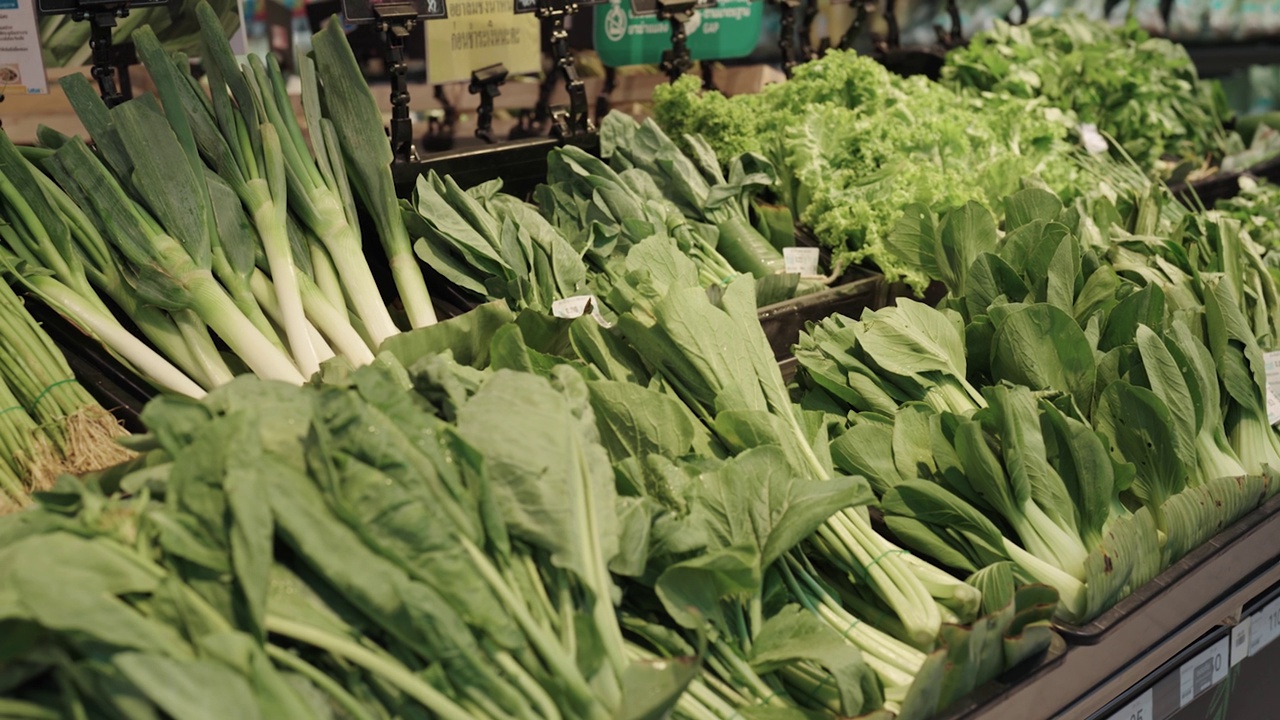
<point>521,164</point>
<point>783,322</point>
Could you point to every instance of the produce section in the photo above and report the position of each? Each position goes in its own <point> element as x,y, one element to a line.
<point>857,396</point>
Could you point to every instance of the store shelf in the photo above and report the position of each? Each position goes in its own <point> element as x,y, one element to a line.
<point>1209,678</point>
<point>1217,60</point>
<point>1093,682</point>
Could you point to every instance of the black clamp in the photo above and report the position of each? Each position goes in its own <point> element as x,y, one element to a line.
<point>787,34</point>
<point>806,49</point>
<point>1024,14</point>
<point>892,39</point>
<point>395,21</point>
<point>676,60</point>
<point>577,119</point>
<point>107,61</point>
<point>861,12</point>
<point>487,83</point>
<point>953,37</point>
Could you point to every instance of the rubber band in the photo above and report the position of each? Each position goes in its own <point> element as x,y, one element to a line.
<point>826,680</point>
<point>845,632</point>
<point>866,569</point>
<point>44,392</point>
<point>11,409</point>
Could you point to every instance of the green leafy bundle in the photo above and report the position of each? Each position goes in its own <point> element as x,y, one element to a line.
<point>1257,207</point>
<point>1125,353</point>
<point>1141,91</point>
<point>854,144</point>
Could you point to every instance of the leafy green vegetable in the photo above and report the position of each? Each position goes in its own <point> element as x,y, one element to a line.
<point>1142,92</point>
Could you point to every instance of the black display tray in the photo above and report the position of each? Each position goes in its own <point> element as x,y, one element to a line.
<point>782,322</point>
<point>1091,677</point>
<point>1093,632</point>
<point>113,385</point>
<point>1223,185</point>
<point>521,164</point>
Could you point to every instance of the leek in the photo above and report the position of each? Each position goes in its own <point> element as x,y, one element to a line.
<point>356,126</point>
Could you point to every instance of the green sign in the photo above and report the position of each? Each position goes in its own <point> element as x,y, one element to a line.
<point>729,29</point>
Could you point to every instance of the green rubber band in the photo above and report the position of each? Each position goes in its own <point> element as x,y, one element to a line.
<point>11,409</point>
<point>44,392</point>
<point>824,682</point>
<point>845,632</point>
<point>866,569</point>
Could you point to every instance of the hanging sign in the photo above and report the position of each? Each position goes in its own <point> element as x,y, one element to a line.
<point>480,33</point>
<point>21,60</point>
<point>628,32</point>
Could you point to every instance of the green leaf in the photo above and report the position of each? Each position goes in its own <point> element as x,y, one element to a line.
<point>635,421</point>
<point>965,233</point>
<point>552,481</point>
<point>797,635</point>
<point>914,240</point>
<point>1029,205</point>
<point>189,689</point>
<point>913,338</point>
<point>1166,380</point>
<point>651,688</point>
<point>1140,429</point>
<point>756,500</point>
<point>692,590</point>
<point>172,190</point>
<point>1042,347</point>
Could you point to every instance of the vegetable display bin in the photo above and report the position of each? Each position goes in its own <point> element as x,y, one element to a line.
<point>782,322</point>
<point>520,164</point>
<point>1223,185</point>
<point>1243,538</point>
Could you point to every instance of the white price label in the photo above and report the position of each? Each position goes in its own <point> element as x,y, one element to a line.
<point>1093,141</point>
<point>1203,671</point>
<point>575,307</point>
<point>1271,361</point>
<point>21,60</point>
<point>1139,709</point>
<point>1240,641</point>
<point>1264,626</point>
<point>801,260</point>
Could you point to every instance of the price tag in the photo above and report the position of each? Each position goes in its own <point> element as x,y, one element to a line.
<point>1240,641</point>
<point>1264,626</point>
<point>1139,709</point>
<point>21,60</point>
<point>1092,140</point>
<point>1271,361</point>
<point>577,306</point>
<point>801,260</point>
<point>1203,671</point>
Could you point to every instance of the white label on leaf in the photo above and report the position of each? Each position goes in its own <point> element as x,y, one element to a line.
<point>1202,672</point>
<point>1092,140</point>
<point>1271,361</point>
<point>1240,641</point>
<point>1139,709</point>
<point>1264,626</point>
<point>801,260</point>
<point>574,307</point>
